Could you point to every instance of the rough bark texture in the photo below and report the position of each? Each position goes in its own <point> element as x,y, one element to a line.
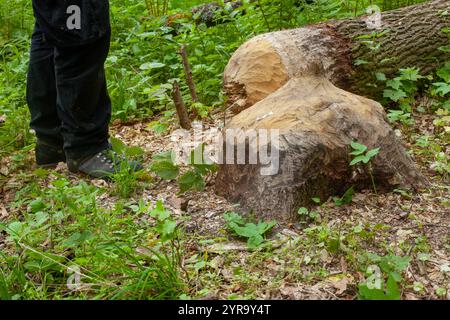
<point>411,39</point>
<point>183,115</point>
<point>294,81</point>
<point>188,72</point>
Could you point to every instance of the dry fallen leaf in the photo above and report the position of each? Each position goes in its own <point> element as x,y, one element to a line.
<point>3,212</point>
<point>341,285</point>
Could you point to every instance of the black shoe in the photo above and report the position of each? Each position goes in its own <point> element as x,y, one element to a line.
<point>48,156</point>
<point>102,165</point>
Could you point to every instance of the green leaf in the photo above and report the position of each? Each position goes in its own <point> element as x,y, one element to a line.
<point>15,229</point>
<point>159,212</point>
<point>201,165</point>
<point>444,73</point>
<point>380,76</point>
<point>394,95</point>
<point>370,294</point>
<point>191,180</point>
<point>255,241</point>
<point>41,218</point>
<point>165,169</point>
<point>264,227</point>
<point>394,84</point>
<point>134,151</point>
<point>392,289</point>
<point>359,62</point>
<point>77,239</point>
<point>373,153</point>
<point>303,212</point>
<point>358,148</point>
<point>117,145</point>
<point>167,229</point>
<point>158,127</point>
<point>230,217</point>
<point>151,65</point>
<point>249,230</point>
<point>73,240</point>
<point>36,205</point>
<point>358,160</point>
<point>346,198</point>
<point>253,232</point>
<point>411,74</point>
<point>164,156</point>
<point>442,88</point>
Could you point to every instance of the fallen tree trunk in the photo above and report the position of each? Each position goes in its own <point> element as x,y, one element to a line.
<point>293,81</point>
<point>408,37</point>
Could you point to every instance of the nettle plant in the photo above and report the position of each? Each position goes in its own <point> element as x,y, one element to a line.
<point>441,88</point>
<point>402,90</point>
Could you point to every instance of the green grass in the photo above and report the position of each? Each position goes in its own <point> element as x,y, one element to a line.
<point>64,228</point>
<point>59,230</point>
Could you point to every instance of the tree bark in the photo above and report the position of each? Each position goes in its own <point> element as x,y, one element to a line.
<point>189,76</point>
<point>296,82</point>
<point>183,115</point>
<point>408,37</point>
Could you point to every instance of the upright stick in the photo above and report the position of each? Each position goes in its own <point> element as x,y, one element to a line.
<point>189,77</point>
<point>185,122</point>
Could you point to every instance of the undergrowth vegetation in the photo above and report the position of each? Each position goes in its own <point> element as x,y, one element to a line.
<point>60,239</point>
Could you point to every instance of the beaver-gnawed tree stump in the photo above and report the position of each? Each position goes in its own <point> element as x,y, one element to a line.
<point>304,82</point>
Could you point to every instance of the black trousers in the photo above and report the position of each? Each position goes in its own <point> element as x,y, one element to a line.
<point>67,95</point>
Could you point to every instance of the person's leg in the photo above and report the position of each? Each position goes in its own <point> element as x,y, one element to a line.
<point>83,103</point>
<point>41,99</point>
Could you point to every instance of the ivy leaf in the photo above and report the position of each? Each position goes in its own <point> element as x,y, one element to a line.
<point>359,159</point>
<point>358,148</point>
<point>373,153</point>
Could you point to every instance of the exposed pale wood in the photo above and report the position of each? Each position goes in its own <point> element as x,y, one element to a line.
<point>266,62</point>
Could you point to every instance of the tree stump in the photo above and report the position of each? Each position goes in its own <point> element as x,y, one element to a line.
<point>303,82</point>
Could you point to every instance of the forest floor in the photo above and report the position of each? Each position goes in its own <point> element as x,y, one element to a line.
<point>322,258</point>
